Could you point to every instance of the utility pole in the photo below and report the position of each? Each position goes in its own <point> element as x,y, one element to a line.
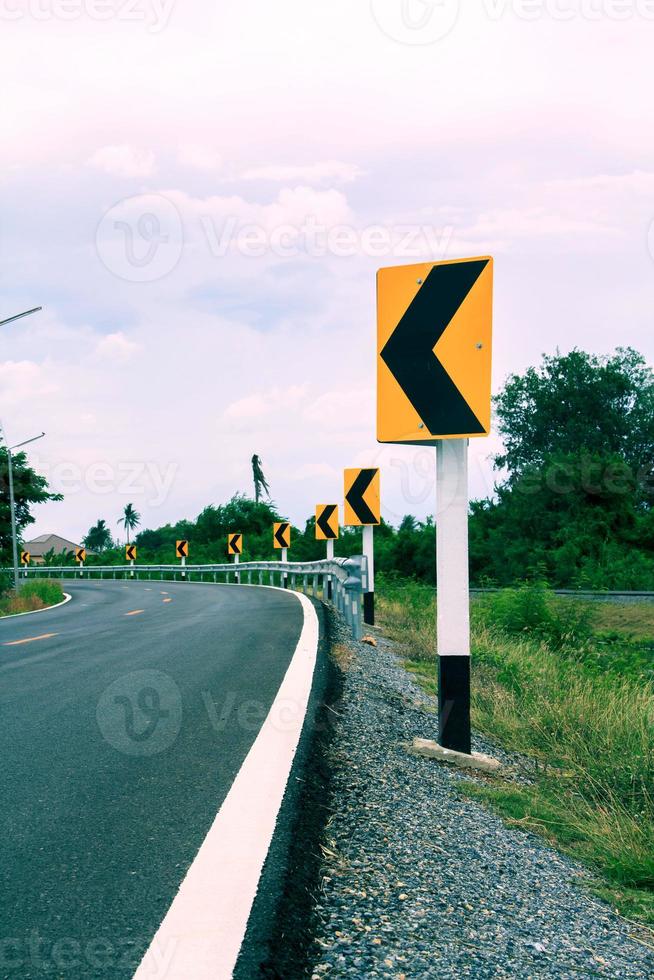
<point>12,501</point>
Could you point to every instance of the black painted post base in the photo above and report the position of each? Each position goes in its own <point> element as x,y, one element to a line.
<point>454,703</point>
<point>369,608</point>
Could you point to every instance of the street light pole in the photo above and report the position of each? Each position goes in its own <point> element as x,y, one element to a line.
<point>18,316</point>
<point>12,503</point>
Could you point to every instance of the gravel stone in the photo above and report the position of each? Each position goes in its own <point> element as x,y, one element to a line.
<point>418,882</point>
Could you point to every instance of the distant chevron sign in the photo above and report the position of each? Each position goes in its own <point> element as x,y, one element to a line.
<point>282,535</point>
<point>234,544</point>
<point>130,552</point>
<point>326,522</point>
<point>434,331</point>
<point>361,492</point>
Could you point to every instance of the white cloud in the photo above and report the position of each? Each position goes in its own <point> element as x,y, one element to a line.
<point>124,161</point>
<point>312,173</point>
<point>262,405</point>
<point>199,157</point>
<point>116,347</point>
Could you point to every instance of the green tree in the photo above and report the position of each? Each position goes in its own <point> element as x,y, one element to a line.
<point>130,519</point>
<point>575,502</point>
<point>29,488</point>
<point>580,403</point>
<point>98,537</point>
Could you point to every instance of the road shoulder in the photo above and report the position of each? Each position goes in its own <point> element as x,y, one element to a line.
<point>418,881</point>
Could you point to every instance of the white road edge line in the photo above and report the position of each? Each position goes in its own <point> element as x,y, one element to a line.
<point>32,612</point>
<point>203,931</point>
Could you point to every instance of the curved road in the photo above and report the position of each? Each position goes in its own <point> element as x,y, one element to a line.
<point>125,716</point>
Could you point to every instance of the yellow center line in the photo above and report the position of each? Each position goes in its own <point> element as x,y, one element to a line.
<point>135,612</point>
<point>30,639</point>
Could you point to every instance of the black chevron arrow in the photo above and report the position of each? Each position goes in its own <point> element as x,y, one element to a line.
<point>354,497</point>
<point>409,351</point>
<point>234,543</point>
<point>323,521</point>
<point>280,535</point>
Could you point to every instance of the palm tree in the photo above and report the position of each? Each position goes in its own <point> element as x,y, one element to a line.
<point>130,519</point>
<point>260,483</point>
<point>98,537</point>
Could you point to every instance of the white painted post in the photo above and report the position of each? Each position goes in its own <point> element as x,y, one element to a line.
<point>328,578</point>
<point>237,558</point>
<point>81,569</point>
<point>284,575</point>
<point>453,595</point>
<point>183,561</point>
<point>369,594</point>
<point>131,573</point>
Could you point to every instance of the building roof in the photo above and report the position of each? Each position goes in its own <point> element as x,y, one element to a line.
<point>43,543</point>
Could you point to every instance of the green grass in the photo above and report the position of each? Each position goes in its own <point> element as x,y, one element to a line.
<point>570,686</point>
<point>35,594</point>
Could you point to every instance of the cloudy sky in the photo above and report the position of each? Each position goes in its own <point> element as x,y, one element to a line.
<point>199,195</point>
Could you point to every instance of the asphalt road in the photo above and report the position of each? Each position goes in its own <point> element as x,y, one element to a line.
<point>120,735</point>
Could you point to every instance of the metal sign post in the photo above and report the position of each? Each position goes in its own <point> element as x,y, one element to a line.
<point>362,506</point>
<point>328,578</point>
<point>327,529</point>
<point>434,346</point>
<point>453,602</point>
<point>369,594</point>
<point>282,541</point>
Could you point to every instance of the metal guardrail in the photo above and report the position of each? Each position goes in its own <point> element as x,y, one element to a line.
<point>341,581</point>
<point>585,594</point>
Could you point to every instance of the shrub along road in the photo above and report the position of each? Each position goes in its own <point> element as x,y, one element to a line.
<point>126,715</point>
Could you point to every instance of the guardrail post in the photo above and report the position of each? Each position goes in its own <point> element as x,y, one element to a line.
<point>314,587</point>
<point>260,576</point>
<point>354,588</point>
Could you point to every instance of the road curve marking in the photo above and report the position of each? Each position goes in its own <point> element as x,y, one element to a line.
<point>205,925</point>
<point>30,639</point>
<point>135,612</point>
<point>166,600</point>
<point>164,593</point>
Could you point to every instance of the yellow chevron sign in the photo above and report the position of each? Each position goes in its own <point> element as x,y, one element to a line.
<point>80,554</point>
<point>434,345</point>
<point>326,522</point>
<point>130,552</point>
<point>25,557</point>
<point>361,492</point>
<point>282,535</point>
<point>234,544</point>
<point>181,549</point>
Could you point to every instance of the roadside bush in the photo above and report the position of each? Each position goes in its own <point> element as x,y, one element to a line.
<point>48,591</point>
<point>534,610</point>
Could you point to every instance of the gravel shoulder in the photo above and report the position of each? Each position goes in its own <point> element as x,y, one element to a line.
<point>419,882</point>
